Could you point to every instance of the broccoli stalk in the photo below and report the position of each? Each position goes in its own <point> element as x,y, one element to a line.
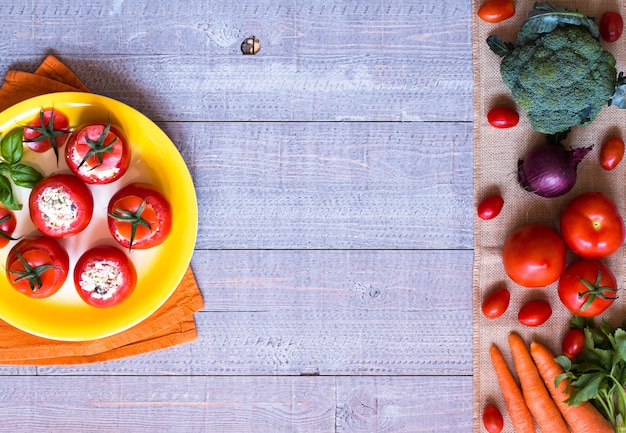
<point>557,70</point>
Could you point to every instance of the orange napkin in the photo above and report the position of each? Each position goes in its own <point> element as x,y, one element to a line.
<point>172,324</point>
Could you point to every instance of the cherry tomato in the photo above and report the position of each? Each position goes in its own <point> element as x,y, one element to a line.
<point>104,276</point>
<point>592,226</point>
<point>490,207</point>
<point>534,313</point>
<point>612,152</point>
<point>494,11</point>
<point>534,255</point>
<point>60,205</point>
<point>140,217</point>
<point>611,26</point>
<point>496,303</point>
<point>501,116</point>
<point>7,226</point>
<point>98,154</point>
<point>49,130</point>
<point>37,267</point>
<point>492,419</point>
<point>587,287</point>
<point>573,343</point>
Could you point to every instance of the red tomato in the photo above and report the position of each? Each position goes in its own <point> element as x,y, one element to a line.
<point>496,303</point>
<point>60,205</point>
<point>587,287</point>
<point>534,255</point>
<point>534,313</point>
<point>612,152</point>
<point>573,343</point>
<point>49,130</point>
<point>611,26</point>
<point>140,217</point>
<point>490,207</point>
<point>104,276</point>
<point>37,267</point>
<point>98,154</point>
<point>502,117</point>
<point>592,226</point>
<point>494,11</point>
<point>492,419</point>
<point>7,226</point>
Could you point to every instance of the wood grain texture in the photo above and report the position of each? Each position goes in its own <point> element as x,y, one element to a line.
<point>403,404</point>
<point>226,404</point>
<point>330,185</point>
<point>181,61</point>
<point>334,179</point>
<point>322,313</point>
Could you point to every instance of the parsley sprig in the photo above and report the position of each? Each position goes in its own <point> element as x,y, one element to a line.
<point>599,371</point>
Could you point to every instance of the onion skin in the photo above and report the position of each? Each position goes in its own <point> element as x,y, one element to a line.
<point>549,170</point>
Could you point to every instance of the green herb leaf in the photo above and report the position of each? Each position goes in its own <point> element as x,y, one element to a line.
<point>620,342</point>
<point>11,146</point>
<point>6,194</point>
<point>599,373</point>
<point>24,175</point>
<point>587,387</point>
<point>498,46</point>
<point>5,168</point>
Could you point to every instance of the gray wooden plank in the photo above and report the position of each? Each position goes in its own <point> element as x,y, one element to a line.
<point>404,404</point>
<point>330,185</point>
<point>8,370</point>
<point>323,313</point>
<point>181,60</point>
<point>366,87</point>
<point>183,27</point>
<point>167,404</point>
<point>235,404</point>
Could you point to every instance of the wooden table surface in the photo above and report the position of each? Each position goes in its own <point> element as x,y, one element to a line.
<point>334,174</point>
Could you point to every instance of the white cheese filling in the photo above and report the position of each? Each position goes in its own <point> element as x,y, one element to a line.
<point>102,279</point>
<point>58,210</point>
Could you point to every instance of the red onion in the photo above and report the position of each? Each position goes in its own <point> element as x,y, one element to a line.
<point>549,170</point>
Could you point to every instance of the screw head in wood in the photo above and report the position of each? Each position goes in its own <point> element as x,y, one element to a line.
<point>251,45</point>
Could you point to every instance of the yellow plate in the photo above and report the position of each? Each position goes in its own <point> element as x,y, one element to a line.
<point>155,159</point>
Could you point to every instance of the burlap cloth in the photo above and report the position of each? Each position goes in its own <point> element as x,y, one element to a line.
<point>496,152</point>
<point>170,325</point>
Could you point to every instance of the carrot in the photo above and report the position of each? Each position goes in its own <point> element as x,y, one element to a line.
<point>536,396</point>
<point>520,416</point>
<point>584,418</point>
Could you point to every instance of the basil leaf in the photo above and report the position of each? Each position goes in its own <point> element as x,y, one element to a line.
<point>5,168</point>
<point>12,146</point>
<point>6,194</point>
<point>24,175</point>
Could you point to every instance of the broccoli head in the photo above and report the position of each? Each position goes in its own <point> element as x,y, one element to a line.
<point>557,70</point>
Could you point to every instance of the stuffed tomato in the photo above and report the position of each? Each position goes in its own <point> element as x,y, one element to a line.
<point>104,276</point>
<point>37,267</point>
<point>98,153</point>
<point>139,216</point>
<point>60,205</point>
